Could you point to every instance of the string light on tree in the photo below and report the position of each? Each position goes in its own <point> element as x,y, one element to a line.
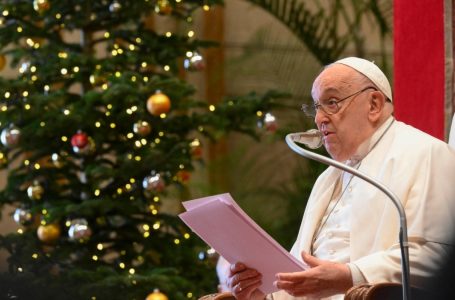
<point>158,104</point>
<point>91,126</point>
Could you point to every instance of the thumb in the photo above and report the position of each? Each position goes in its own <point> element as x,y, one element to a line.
<point>310,260</point>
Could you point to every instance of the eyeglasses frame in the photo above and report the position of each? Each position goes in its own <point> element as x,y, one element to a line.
<point>316,105</point>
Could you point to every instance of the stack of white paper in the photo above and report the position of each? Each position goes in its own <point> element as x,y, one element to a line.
<point>223,225</point>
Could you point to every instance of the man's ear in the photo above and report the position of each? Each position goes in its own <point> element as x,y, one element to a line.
<point>377,103</point>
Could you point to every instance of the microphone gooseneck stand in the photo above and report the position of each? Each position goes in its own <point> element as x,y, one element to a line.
<point>310,138</point>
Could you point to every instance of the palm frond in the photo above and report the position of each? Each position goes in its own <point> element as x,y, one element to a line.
<point>328,30</point>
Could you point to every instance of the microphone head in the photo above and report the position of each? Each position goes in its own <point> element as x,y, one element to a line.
<point>311,138</point>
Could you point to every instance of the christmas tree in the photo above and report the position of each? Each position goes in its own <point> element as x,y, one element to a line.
<point>95,130</point>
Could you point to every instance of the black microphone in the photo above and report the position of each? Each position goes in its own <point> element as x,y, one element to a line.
<point>311,138</point>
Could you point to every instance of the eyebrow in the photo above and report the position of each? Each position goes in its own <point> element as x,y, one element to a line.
<point>328,90</point>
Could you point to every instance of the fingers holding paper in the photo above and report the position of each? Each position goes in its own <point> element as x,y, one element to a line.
<point>323,279</point>
<point>244,282</point>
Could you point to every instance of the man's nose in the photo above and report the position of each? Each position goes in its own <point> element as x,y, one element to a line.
<point>320,117</point>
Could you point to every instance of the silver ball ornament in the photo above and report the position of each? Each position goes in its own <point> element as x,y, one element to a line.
<point>194,63</point>
<point>142,128</point>
<point>153,183</point>
<point>209,254</point>
<point>10,136</point>
<point>115,7</point>
<point>25,67</point>
<point>22,216</point>
<point>79,230</point>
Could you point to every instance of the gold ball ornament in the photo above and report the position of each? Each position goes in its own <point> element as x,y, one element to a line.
<point>158,104</point>
<point>41,5</point>
<point>157,295</point>
<point>163,7</point>
<point>2,62</point>
<point>48,233</point>
<point>35,191</point>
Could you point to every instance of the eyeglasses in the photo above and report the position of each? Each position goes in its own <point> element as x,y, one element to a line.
<point>331,106</point>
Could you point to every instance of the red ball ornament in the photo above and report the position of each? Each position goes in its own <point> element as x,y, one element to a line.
<point>270,122</point>
<point>158,104</point>
<point>183,176</point>
<point>196,149</point>
<point>80,139</point>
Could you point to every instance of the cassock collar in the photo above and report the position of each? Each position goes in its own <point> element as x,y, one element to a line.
<point>369,143</point>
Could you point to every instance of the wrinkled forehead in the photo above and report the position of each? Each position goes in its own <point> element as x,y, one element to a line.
<point>336,78</point>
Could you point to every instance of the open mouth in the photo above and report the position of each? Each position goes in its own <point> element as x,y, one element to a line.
<point>325,132</point>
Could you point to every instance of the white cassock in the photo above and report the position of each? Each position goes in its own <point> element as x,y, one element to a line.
<point>420,170</point>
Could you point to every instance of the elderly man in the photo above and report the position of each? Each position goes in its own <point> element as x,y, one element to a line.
<point>349,232</point>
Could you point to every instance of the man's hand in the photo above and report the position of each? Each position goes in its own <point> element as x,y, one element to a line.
<point>244,282</point>
<point>323,279</point>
